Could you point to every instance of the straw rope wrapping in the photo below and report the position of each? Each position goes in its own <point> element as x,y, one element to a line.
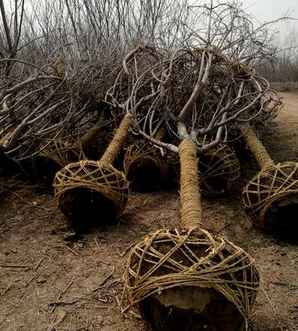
<point>99,176</point>
<point>218,165</point>
<point>118,140</point>
<point>94,175</point>
<point>273,183</point>
<point>257,148</point>
<point>190,197</point>
<point>195,258</point>
<point>168,259</point>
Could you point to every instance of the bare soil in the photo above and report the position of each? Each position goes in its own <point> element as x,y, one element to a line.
<point>49,283</point>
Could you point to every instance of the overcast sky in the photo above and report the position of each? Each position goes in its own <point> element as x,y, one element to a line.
<point>265,10</point>
<point>262,10</point>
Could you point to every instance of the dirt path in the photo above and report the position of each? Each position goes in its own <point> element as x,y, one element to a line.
<point>47,283</point>
<point>283,139</point>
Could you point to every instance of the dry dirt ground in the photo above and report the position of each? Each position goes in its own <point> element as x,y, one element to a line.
<point>47,283</point>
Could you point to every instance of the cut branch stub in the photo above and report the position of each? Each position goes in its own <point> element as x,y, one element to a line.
<point>60,152</point>
<point>88,140</point>
<point>271,197</point>
<point>63,151</point>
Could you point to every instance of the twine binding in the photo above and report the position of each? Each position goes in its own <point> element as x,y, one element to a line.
<point>271,184</point>
<point>99,176</point>
<point>190,257</point>
<point>219,170</point>
<point>141,154</point>
<point>274,183</point>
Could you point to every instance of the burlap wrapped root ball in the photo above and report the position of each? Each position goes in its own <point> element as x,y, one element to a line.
<point>145,167</point>
<point>219,170</point>
<point>271,199</point>
<point>90,191</point>
<point>190,280</point>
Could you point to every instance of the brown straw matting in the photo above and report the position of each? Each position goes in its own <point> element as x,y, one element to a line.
<point>273,183</point>
<point>190,199</point>
<point>171,259</point>
<point>96,176</point>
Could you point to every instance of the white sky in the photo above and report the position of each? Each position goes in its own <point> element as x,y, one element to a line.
<point>262,10</point>
<point>266,10</point>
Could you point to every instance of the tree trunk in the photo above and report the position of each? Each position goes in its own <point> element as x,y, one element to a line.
<point>118,140</point>
<point>257,148</point>
<point>190,197</point>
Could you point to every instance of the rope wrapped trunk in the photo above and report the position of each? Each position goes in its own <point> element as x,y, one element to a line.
<point>188,278</point>
<point>94,187</point>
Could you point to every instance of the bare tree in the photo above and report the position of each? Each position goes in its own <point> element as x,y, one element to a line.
<point>10,32</point>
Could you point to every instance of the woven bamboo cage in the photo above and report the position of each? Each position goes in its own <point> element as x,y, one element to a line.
<point>84,178</point>
<point>87,188</point>
<point>145,167</point>
<point>101,177</point>
<point>63,152</point>
<point>54,156</point>
<point>188,278</point>
<point>271,197</point>
<point>220,169</point>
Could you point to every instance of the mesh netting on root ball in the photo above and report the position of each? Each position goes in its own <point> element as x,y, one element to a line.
<point>271,198</point>
<point>144,166</point>
<point>89,188</point>
<point>174,273</point>
<point>219,169</point>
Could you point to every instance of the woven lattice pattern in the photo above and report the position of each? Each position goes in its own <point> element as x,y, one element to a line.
<point>139,153</point>
<point>170,259</point>
<point>273,183</point>
<point>63,152</point>
<point>94,175</point>
<point>219,162</point>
